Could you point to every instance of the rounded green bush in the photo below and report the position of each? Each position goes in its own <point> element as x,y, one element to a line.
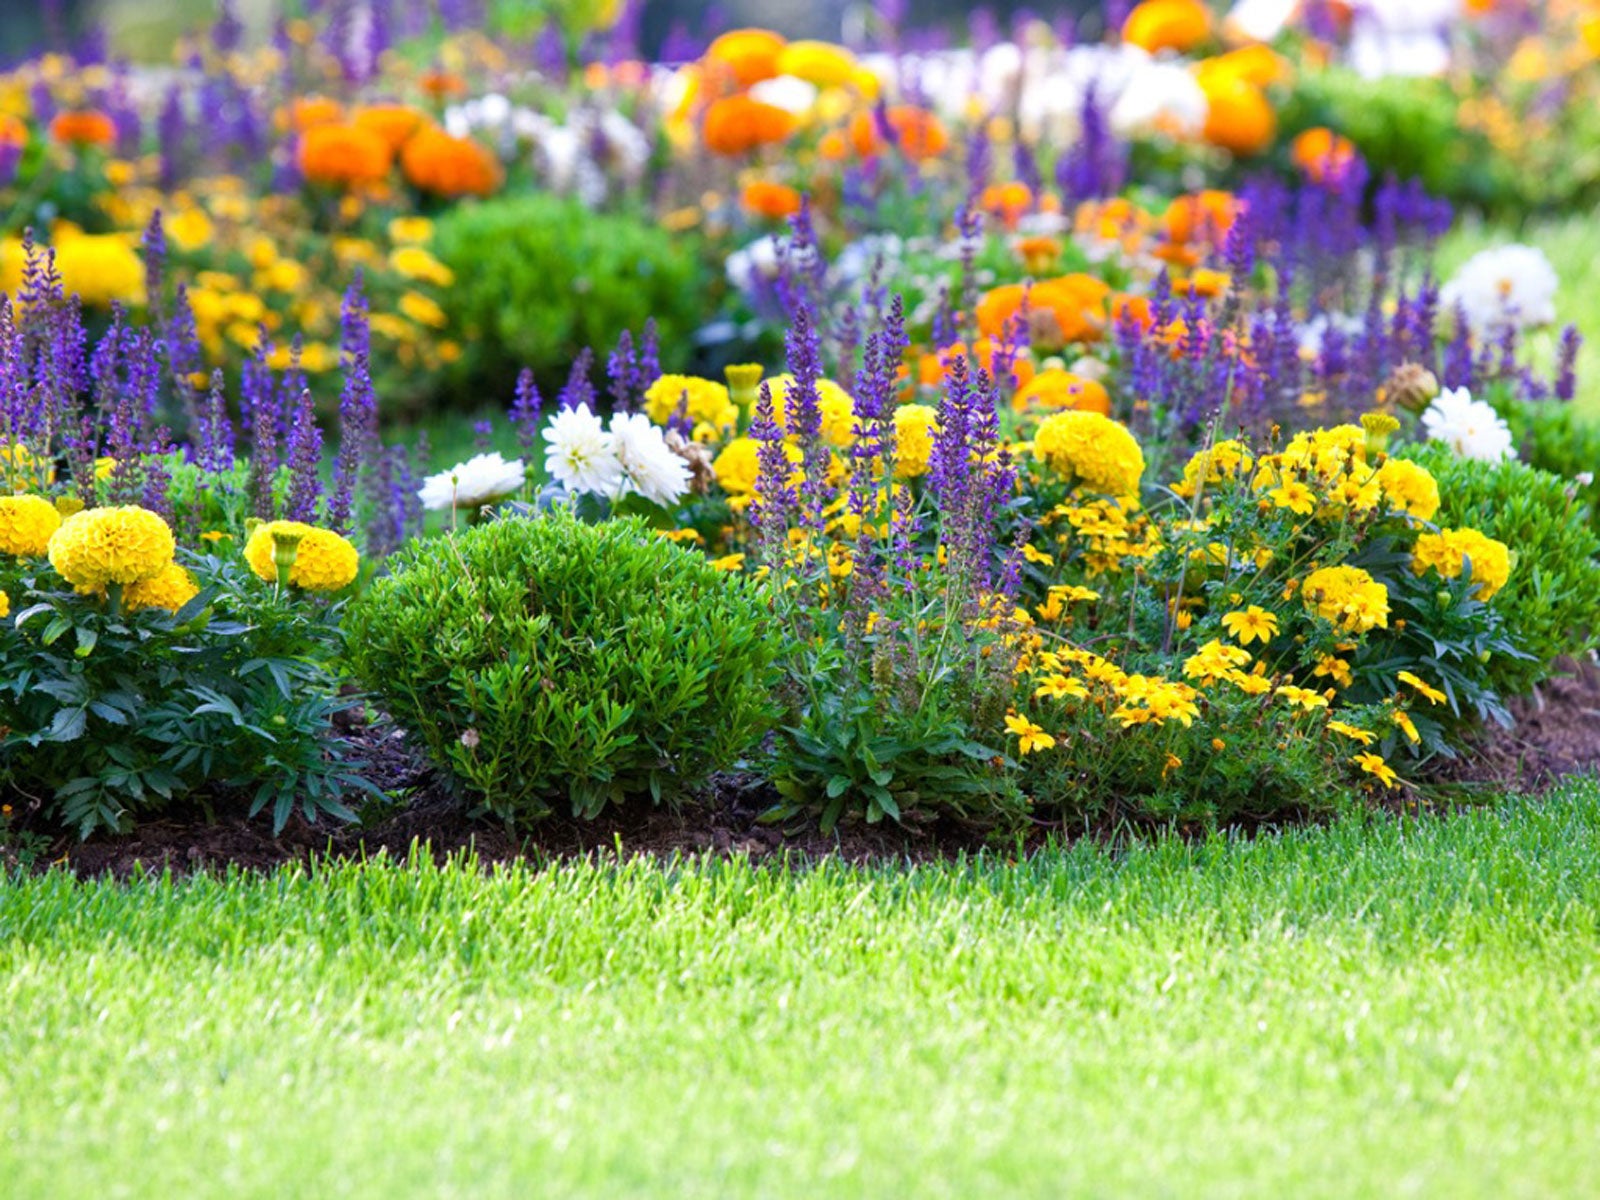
<point>540,278</point>
<point>1551,603</point>
<point>538,657</point>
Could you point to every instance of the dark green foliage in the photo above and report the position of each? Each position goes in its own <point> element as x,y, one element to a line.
<point>1551,604</point>
<point>540,278</point>
<point>1554,437</point>
<point>110,718</point>
<point>543,657</point>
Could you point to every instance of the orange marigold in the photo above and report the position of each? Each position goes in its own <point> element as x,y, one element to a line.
<point>1071,308</point>
<point>1008,201</point>
<point>1322,154</point>
<point>1055,388</point>
<point>394,123</point>
<point>746,56</point>
<point>307,111</point>
<point>1239,119</point>
<point>435,162</point>
<point>917,132</point>
<point>1177,25</point>
<point>344,156</point>
<point>775,201</point>
<point>88,127</point>
<point>13,131</point>
<point>737,125</point>
<point>1201,216</point>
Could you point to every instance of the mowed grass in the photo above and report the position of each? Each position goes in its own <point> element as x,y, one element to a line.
<point>1379,1008</point>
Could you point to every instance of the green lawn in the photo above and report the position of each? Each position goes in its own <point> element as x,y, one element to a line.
<point>1379,1008</point>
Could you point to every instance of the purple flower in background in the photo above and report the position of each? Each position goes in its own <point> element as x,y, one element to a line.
<point>1566,381</point>
<point>305,462</point>
<point>578,389</point>
<point>525,408</point>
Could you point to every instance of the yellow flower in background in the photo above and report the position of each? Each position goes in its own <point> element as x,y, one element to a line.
<point>1030,737</point>
<point>410,229</point>
<point>1409,727</point>
<point>915,427</point>
<point>98,547</point>
<point>284,275</point>
<point>1354,733</point>
<point>1424,689</point>
<point>703,400</point>
<point>1302,697</point>
<point>26,525</point>
<point>1374,765</point>
<point>322,560</point>
<point>190,229</point>
<point>729,562</point>
<point>416,263</point>
<point>819,63</point>
<point>100,268</point>
<point>1251,625</point>
<point>423,310</point>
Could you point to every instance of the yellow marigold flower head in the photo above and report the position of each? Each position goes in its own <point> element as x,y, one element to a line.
<point>1450,550</point>
<point>1374,765</point>
<point>171,589</point>
<point>738,464</point>
<point>424,310</point>
<point>100,268</point>
<point>1225,460</point>
<point>1092,450</point>
<point>102,546</point>
<point>323,561</point>
<point>1409,488</point>
<point>707,401</point>
<point>26,524</point>
<point>1347,596</point>
<point>416,263</point>
<point>915,426</point>
<point>837,408</point>
<point>5,605</point>
<point>1422,687</point>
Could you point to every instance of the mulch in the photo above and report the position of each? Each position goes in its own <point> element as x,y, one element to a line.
<point>1556,734</point>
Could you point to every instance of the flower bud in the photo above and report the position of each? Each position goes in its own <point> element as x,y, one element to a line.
<point>743,380</point>
<point>285,546</point>
<point>67,505</point>
<point>1412,386</point>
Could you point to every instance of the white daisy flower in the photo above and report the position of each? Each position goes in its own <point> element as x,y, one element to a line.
<point>1505,286</point>
<point>648,465</point>
<point>581,457</point>
<point>1471,427</point>
<point>482,479</point>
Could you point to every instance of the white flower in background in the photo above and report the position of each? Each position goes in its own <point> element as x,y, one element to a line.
<point>647,465</point>
<point>1260,20</point>
<point>482,479</point>
<point>1504,286</point>
<point>757,261</point>
<point>1162,97</point>
<point>1471,427</point>
<point>1409,38</point>
<point>786,92</point>
<point>581,457</point>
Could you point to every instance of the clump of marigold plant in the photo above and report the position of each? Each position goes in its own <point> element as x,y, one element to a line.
<point>304,556</point>
<point>343,156</point>
<point>435,162</point>
<point>26,525</point>
<point>1092,451</point>
<point>111,547</point>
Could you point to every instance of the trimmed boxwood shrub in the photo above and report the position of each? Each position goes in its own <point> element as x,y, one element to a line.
<point>540,657</point>
<point>1551,603</point>
<point>540,278</point>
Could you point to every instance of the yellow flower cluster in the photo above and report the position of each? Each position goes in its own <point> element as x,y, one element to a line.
<point>705,402</point>
<point>915,427</point>
<point>1347,596</point>
<point>101,547</point>
<point>1327,472</point>
<point>26,525</point>
<point>1107,534</point>
<point>1450,551</point>
<point>1091,451</point>
<point>171,589</point>
<point>322,561</point>
<point>1225,460</point>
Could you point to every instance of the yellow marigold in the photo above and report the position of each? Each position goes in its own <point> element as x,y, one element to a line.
<point>703,400</point>
<point>1449,550</point>
<point>416,263</point>
<point>423,310</point>
<point>171,589</point>
<point>410,229</point>
<point>190,229</point>
<point>1347,596</point>
<point>1092,450</point>
<point>821,63</point>
<point>837,408</point>
<point>5,605</point>
<point>1167,25</point>
<point>1225,460</point>
<point>323,561</point>
<point>99,268</point>
<point>915,426</point>
<point>1409,488</point>
<point>119,545</point>
<point>737,466</point>
<point>26,525</point>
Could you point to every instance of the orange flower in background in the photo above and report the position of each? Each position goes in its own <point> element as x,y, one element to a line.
<point>1008,201</point>
<point>308,111</point>
<point>737,125</point>
<point>88,127</point>
<point>1257,64</point>
<point>441,84</point>
<point>435,162</point>
<point>394,123</point>
<point>917,132</point>
<point>1070,308</point>
<point>1240,118</point>
<point>934,369</point>
<point>1038,253</point>
<point>1055,388</point>
<point>1201,216</point>
<point>1204,283</point>
<point>1128,307</point>
<point>13,131</point>
<point>746,56</point>
<point>774,201</point>
<point>1322,154</point>
<point>1179,25</point>
<point>344,156</point>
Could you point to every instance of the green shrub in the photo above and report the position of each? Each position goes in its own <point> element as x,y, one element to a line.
<point>539,278</point>
<point>1554,437</point>
<point>542,656</point>
<point>1551,603</point>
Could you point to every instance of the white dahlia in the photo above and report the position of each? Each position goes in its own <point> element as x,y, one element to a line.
<point>480,480</point>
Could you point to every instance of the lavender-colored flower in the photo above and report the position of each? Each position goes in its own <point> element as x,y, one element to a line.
<point>622,374</point>
<point>305,462</point>
<point>578,389</point>
<point>525,408</point>
<point>1565,386</point>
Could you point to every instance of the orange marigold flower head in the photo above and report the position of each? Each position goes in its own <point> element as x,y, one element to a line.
<point>343,156</point>
<point>1322,154</point>
<point>1070,308</point>
<point>1204,216</point>
<point>775,201</point>
<point>917,132</point>
<point>1179,25</point>
<point>1257,64</point>
<point>434,161</point>
<point>13,131</point>
<point>86,127</point>
<point>1008,201</point>
<point>736,125</point>
<point>394,123</point>
<point>440,84</point>
<point>306,112</point>
<point>1239,118</point>
<point>746,56</point>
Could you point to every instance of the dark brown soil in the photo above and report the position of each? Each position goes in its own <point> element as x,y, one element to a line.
<point>1557,734</point>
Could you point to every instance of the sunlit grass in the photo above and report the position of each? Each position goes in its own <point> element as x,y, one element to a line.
<point>1376,1008</point>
